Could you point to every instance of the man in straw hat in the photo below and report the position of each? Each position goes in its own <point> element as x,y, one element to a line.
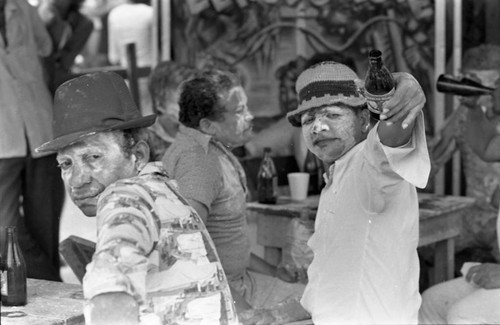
<point>154,260</point>
<point>365,268</point>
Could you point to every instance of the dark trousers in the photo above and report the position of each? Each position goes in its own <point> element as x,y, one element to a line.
<point>31,198</point>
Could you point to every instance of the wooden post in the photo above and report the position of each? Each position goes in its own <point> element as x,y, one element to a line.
<point>166,30</point>
<point>439,68</point>
<point>132,75</point>
<point>457,66</point>
<point>156,34</point>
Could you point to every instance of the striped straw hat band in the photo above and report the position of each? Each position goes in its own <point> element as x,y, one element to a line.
<point>326,83</point>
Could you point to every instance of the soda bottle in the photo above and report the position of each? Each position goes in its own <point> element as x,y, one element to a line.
<point>379,83</point>
<point>314,167</point>
<point>13,271</point>
<point>267,179</point>
<point>461,86</point>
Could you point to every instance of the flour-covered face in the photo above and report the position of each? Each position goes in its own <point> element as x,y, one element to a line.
<point>331,131</point>
<point>489,78</point>
<point>235,126</point>
<point>89,166</point>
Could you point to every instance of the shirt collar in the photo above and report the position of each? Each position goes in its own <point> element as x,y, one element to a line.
<point>199,137</point>
<point>152,168</point>
<point>158,129</point>
<point>342,161</point>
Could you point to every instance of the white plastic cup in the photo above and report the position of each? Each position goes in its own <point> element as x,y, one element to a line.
<point>299,184</point>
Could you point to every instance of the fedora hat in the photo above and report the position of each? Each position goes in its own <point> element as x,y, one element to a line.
<point>323,84</point>
<point>95,102</point>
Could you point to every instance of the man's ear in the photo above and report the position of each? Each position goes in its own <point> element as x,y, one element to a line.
<point>365,120</point>
<point>141,153</point>
<point>207,126</point>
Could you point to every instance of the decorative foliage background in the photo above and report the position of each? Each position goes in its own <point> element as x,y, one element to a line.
<point>259,37</point>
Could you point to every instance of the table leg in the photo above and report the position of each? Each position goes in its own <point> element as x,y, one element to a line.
<point>444,260</point>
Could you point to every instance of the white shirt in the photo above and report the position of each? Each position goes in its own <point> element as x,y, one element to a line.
<point>365,268</point>
<point>130,23</point>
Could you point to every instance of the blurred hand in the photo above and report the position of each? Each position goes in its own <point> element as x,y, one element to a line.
<point>113,308</point>
<point>407,101</point>
<point>471,102</point>
<point>286,274</point>
<point>485,275</point>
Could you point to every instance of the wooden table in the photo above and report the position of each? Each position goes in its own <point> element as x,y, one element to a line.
<point>440,224</point>
<point>49,303</point>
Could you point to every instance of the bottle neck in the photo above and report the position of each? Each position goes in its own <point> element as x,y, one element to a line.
<point>376,62</point>
<point>11,234</point>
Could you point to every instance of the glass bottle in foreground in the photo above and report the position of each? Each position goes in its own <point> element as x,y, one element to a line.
<point>379,83</point>
<point>13,272</point>
<point>267,179</point>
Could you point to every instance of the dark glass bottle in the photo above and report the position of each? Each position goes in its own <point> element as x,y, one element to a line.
<point>314,167</point>
<point>461,86</point>
<point>267,179</point>
<point>13,269</point>
<point>379,83</point>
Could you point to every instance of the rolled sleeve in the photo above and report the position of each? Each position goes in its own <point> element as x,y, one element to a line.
<point>410,161</point>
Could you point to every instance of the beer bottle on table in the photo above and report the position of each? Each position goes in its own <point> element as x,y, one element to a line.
<point>13,272</point>
<point>267,179</point>
<point>379,83</point>
<point>314,167</point>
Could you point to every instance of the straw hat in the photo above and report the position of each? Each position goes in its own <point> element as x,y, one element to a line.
<point>325,83</point>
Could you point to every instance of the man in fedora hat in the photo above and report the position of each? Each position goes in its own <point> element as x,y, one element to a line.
<point>154,261</point>
<point>365,268</point>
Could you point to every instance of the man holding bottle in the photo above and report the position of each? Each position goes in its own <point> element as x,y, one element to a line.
<point>365,267</point>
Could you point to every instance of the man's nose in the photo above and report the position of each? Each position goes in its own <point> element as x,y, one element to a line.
<point>249,116</point>
<point>79,176</point>
<point>319,126</point>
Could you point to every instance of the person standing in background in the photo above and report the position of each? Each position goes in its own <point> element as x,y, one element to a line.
<point>31,190</point>
<point>132,22</point>
<point>69,30</point>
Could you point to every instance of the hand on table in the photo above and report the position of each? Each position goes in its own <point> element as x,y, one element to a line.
<point>113,308</point>
<point>486,275</point>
